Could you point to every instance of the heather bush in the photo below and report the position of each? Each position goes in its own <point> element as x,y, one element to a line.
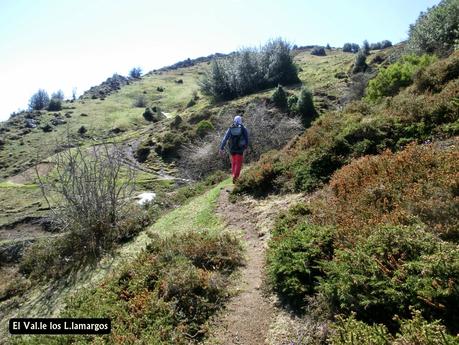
<point>415,186</point>
<point>259,180</point>
<point>167,294</point>
<point>392,270</point>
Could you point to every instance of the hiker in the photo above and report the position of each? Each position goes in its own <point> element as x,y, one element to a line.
<point>238,137</point>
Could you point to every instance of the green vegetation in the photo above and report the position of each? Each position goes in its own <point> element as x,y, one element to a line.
<point>279,98</point>
<point>435,31</point>
<point>305,107</point>
<point>294,258</point>
<point>351,47</point>
<point>39,100</point>
<point>390,80</point>
<point>393,269</point>
<point>417,330</point>
<point>380,241</point>
<point>203,128</point>
<point>415,114</point>
<point>318,51</point>
<point>167,294</point>
<point>250,70</point>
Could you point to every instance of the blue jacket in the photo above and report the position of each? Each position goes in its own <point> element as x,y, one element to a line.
<point>235,148</point>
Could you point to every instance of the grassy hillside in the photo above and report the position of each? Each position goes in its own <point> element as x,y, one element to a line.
<point>115,118</point>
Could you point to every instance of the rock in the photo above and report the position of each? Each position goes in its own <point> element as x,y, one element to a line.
<point>83,114</point>
<point>58,121</point>
<point>30,123</point>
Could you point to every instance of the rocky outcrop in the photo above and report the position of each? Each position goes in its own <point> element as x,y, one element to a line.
<point>111,85</point>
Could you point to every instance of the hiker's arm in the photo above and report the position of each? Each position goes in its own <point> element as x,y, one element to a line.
<point>225,139</point>
<point>245,133</point>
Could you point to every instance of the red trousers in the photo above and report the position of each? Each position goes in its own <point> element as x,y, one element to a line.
<point>236,164</point>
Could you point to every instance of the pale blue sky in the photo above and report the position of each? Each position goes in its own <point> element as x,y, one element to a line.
<point>61,44</point>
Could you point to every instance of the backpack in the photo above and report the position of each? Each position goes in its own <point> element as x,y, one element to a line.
<point>237,140</point>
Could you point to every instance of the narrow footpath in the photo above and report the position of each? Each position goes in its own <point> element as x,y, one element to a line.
<point>247,316</point>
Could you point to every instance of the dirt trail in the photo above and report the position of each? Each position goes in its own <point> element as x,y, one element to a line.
<point>248,315</point>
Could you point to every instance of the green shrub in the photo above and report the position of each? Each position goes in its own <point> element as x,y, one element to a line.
<point>290,219</point>
<point>54,104</point>
<point>421,332</point>
<point>400,74</point>
<point>39,100</point>
<point>176,122</point>
<point>348,331</point>
<point>436,31</point>
<point>391,270</point>
<point>279,98</point>
<point>293,259</point>
<point>140,101</point>
<point>153,114</point>
<point>259,180</point>
<point>314,168</point>
<point>436,75</point>
<point>351,47</point>
<point>170,144</point>
<point>203,128</point>
<point>135,72</point>
<point>318,51</point>
<point>360,64</point>
<point>191,103</point>
<point>305,106</point>
<point>292,102</point>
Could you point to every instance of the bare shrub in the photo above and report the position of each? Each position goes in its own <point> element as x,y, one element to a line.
<point>267,130</point>
<point>88,193</point>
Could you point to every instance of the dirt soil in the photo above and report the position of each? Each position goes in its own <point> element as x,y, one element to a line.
<point>29,175</point>
<point>249,315</point>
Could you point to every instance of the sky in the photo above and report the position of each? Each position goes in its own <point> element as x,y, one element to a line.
<point>66,44</point>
